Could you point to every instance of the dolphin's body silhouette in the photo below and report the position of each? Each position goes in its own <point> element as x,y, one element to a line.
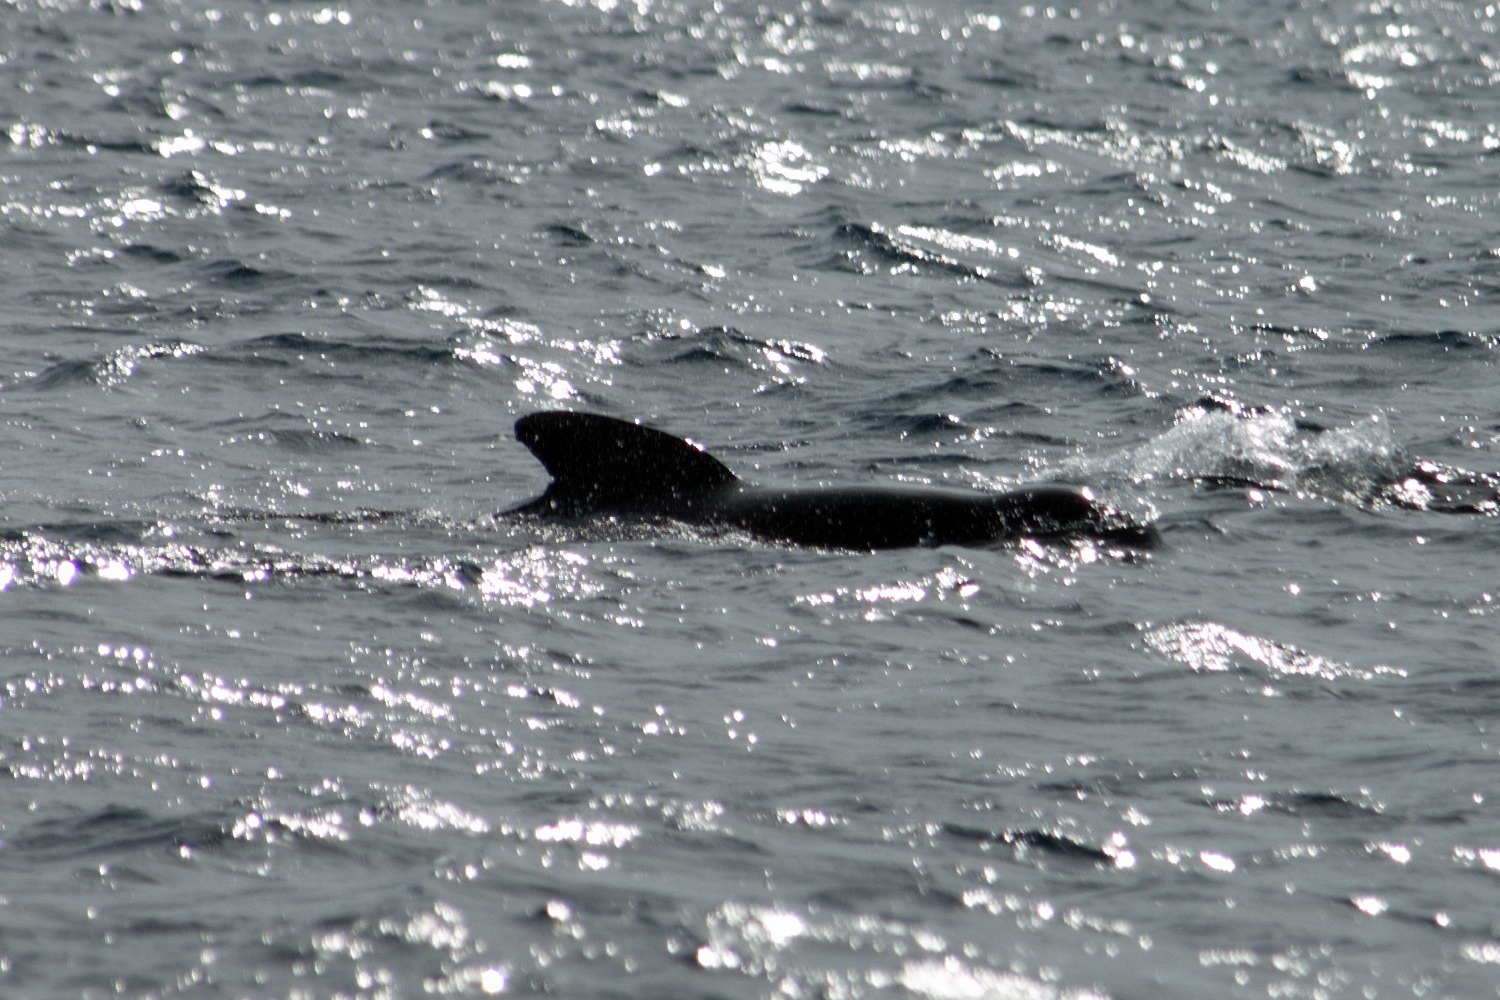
<point>604,466</point>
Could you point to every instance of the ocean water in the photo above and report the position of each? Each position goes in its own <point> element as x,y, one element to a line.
<point>287,711</point>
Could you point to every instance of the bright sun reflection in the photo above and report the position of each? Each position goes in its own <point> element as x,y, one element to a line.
<point>784,168</point>
<point>1209,647</point>
<point>595,834</point>
<point>948,581</point>
<point>953,979</point>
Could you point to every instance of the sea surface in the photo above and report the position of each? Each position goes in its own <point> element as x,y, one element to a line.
<point>287,711</point>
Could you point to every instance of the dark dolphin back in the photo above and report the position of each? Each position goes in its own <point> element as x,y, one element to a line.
<point>600,463</point>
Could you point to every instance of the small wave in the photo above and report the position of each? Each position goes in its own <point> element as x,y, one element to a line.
<point>109,831</point>
<point>1433,342</point>
<point>382,349</point>
<point>304,440</point>
<point>872,245</point>
<point>316,79</point>
<point>1295,802</point>
<point>1051,843</point>
<point>152,254</point>
<point>727,346</point>
<point>234,272</point>
<point>111,369</point>
<point>200,189</point>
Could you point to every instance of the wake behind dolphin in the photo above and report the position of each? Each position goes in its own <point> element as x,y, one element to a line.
<point>604,466</point>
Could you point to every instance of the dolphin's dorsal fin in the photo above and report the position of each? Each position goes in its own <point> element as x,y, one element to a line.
<point>600,463</point>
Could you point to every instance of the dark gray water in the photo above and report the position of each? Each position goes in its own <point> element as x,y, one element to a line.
<point>1234,265</point>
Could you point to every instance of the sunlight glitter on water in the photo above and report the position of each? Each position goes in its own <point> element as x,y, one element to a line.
<point>595,834</point>
<point>950,580</point>
<point>785,168</point>
<point>748,935</point>
<point>420,809</point>
<point>1213,648</point>
<point>271,827</point>
<point>767,942</point>
<point>534,576</point>
<point>954,979</point>
<point>538,575</point>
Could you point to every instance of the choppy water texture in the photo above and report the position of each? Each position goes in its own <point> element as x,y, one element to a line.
<point>1233,264</point>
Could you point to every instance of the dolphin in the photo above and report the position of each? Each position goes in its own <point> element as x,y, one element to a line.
<point>604,466</point>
